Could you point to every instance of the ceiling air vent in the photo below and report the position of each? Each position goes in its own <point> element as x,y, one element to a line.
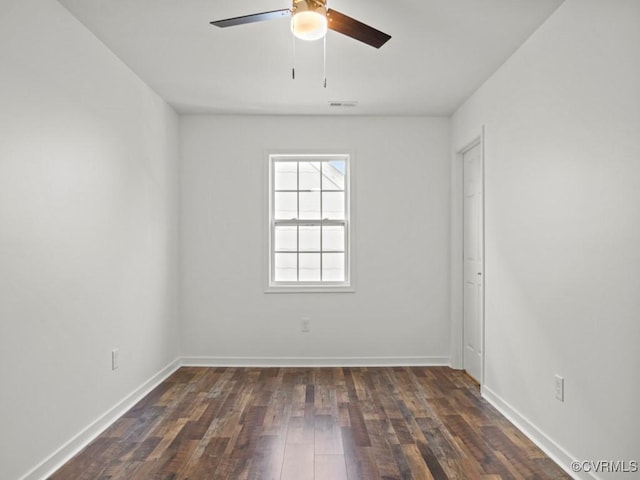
<point>343,103</point>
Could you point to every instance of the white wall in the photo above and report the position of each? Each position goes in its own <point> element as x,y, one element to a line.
<point>562,162</point>
<point>88,237</point>
<point>401,199</point>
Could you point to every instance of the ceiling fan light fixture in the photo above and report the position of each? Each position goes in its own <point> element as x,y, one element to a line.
<point>309,20</point>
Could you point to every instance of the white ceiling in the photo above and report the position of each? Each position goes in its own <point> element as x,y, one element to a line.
<point>440,53</point>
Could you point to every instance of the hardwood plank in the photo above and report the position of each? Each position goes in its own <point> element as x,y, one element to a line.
<point>208,460</point>
<point>298,462</point>
<point>385,460</point>
<point>330,467</point>
<point>268,458</point>
<point>358,427</point>
<point>436,470</point>
<point>419,469</point>
<point>327,436</point>
<point>404,468</point>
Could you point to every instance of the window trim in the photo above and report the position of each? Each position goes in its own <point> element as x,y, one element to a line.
<point>311,287</point>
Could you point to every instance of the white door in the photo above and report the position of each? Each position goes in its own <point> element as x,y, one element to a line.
<point>473,264</point>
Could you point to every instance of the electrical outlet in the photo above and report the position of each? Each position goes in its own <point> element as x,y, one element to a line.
<point>114,359</point>
<point>305,325</point>
<point>559,387</point>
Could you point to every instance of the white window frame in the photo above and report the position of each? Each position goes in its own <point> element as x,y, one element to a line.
<point>310,287</point>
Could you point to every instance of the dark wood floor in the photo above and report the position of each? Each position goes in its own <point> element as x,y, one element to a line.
<point>312,423</point>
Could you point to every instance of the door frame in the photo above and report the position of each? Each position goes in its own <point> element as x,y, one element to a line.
<point>457,255</point>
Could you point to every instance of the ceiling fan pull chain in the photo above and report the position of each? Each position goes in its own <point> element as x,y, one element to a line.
<point>293,57</point>
<point>324,46</point>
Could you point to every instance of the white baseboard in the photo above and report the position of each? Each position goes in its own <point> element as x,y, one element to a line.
<point>48,466</point>
<point>315,361</point>
<point>537,436</point>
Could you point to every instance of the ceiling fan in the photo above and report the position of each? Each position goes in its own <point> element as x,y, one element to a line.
<point>310,20</point>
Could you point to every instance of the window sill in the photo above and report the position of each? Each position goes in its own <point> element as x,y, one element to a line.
<point>310,289</point>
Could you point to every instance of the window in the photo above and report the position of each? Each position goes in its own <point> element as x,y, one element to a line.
<point>309,233</point>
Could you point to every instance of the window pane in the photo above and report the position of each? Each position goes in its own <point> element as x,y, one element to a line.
<point>309,238</point>
<point>310,205</point>
<point>285,267</point>
<point>333,267</point>
<point>285,175</point>
<point>333,205</point>
<point>309,267</point>
<point>286,205</point>
<point>309,175</point>
<point>305,190</point>
<point>333,175</point>
<point>333,238</point>
<point>286,238</point>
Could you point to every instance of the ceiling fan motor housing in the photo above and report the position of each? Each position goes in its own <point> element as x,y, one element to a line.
<point>319,6</point>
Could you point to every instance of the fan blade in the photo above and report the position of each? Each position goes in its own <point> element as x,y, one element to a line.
<point>256,17</point>
<point>351,27</point>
